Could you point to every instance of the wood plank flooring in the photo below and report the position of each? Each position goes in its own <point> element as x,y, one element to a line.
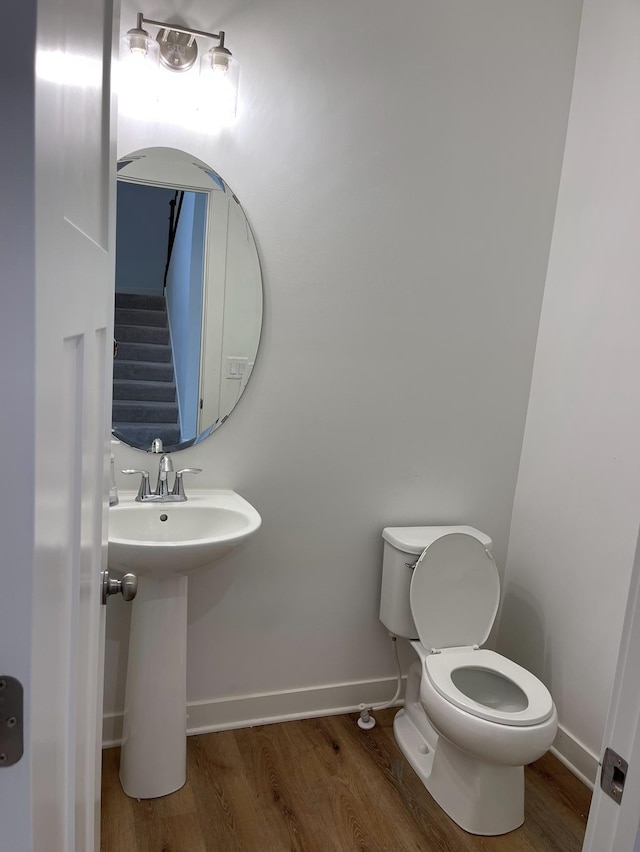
<point>322,785</point>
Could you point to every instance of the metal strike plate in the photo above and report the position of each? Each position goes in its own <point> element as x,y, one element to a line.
<point>613,775</point>
<point>11,721</point>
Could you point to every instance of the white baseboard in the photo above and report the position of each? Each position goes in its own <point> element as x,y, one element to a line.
<point>576,757</point>
<point>245,711</point>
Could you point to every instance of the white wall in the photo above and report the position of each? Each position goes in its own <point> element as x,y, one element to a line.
<point>399,165</point>
<point>577,503</point>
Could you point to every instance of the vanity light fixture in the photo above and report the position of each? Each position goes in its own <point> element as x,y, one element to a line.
<point>175,48</point>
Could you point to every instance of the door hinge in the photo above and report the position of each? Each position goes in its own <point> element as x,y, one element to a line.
<point>613,775</point>
<point>11,721</point>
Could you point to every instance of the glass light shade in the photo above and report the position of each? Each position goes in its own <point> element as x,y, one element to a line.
<point>137,74</point>
<point>219,74</point>
<point>138,44</point>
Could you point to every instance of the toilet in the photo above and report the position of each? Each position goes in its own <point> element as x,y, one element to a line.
<point>472,718</point>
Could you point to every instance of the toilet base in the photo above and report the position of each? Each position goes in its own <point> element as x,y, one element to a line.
<point>482,798</point>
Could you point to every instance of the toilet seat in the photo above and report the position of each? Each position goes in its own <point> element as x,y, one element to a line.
<point>441,670</point>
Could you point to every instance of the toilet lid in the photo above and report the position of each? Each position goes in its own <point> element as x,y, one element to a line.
<point>455,590</point>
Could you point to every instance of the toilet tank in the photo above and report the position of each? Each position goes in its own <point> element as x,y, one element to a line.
<point>402,548</point>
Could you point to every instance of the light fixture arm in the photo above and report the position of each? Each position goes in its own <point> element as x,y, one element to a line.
<point>177,29</point>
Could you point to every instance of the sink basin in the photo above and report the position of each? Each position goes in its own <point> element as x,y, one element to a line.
<point>177,538</point>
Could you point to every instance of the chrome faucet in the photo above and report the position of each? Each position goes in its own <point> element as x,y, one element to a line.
<point>162,494</point>
<point>165,467</point>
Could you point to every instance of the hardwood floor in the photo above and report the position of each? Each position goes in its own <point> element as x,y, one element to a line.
<point>322,785</point>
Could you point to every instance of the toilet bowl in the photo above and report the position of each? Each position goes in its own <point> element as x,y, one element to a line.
<point>472,718</point>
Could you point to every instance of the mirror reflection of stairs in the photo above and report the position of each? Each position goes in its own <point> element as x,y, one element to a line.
<point>144,389</point>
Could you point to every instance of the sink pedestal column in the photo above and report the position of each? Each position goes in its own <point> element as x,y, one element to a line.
<point>154,748</point>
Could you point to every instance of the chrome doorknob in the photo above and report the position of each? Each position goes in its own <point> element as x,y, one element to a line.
<point>127,587</point>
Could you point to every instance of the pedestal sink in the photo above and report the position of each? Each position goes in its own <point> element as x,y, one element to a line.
<point>162,543</point>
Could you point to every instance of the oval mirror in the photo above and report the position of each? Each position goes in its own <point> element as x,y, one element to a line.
<point>188,305</point>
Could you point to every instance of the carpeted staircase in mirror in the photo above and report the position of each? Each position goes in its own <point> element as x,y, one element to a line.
<point>144,388</point>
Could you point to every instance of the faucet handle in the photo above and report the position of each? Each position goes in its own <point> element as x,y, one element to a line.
<point>178,487</point>
<point>145,487</point>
